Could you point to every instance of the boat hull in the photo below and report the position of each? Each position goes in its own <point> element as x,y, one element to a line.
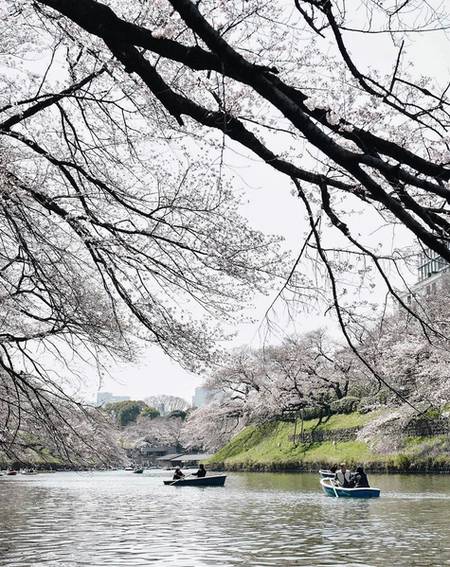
<point>218,480</point>
<point>340,492</point>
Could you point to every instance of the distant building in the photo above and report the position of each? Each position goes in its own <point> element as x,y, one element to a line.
<point>432,272</point>
<point>183,459</point>
<point>201,397</point>
<point>430,269</point>
<point>104,398</point>
<point>204,396</point>
<point>147,455</point>
<point>169,461</point>
<point>193,459</point>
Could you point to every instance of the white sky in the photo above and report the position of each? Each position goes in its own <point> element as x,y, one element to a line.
<point>271,209</point>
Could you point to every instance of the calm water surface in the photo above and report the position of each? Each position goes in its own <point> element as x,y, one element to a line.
<point>122,519</point>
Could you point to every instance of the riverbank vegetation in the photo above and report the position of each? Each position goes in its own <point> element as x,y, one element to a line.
<point>286,404</point>
<point>53,432</point>
<point>115,434</point>
<point>272,447</point>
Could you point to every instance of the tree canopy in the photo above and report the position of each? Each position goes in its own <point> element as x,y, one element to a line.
<point>127,411</point>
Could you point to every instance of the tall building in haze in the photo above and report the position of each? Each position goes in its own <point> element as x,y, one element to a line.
<point>104,398</point>
<point>201,397</point>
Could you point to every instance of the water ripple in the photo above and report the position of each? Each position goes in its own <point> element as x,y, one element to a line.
<point>118,519</point>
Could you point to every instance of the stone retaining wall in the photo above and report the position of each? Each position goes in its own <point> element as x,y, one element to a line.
<point>320,435</point>
<point>427,428</point>
<point>417,428</point>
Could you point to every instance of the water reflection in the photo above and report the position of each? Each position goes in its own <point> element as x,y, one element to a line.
<point>278,520</point>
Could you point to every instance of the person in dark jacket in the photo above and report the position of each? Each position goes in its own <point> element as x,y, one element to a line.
<point>201,472</point>
<point>359,479</point>
<point>178,473</point>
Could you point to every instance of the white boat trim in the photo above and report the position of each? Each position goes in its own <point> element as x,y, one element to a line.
<point>329,483</point>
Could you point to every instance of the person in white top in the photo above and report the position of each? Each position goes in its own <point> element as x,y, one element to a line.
<point>343,476</point>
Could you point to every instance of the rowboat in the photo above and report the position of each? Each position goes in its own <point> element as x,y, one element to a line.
<point>216,480</point>
<point>138,471</point>
<point>331,489</point>
<point>11,472</point>
<point>325,473</point>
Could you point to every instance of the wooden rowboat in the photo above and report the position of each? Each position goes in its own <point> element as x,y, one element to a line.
<point>331,489</point>
<point>216,480</point>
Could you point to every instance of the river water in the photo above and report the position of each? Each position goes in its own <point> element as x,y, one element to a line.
<point>122,519</point>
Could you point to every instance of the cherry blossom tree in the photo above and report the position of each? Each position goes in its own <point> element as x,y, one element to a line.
<point>210,427</point>
<point>298,373</point>
<point>167,404</point>
<point>156,432</point>
<point>301,377</point>
<point>108,236</point>
<point>345,137</point>
<point>415,361</point>
<point>47,428</point>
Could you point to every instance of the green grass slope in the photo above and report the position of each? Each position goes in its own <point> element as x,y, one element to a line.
<point>270,447</point>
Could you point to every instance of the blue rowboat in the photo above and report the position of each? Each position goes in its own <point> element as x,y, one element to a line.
<point>325,473</point>
<point>330,489</point>
<point>217,480</point>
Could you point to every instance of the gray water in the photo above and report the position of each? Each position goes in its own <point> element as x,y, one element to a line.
<point>123,519</point>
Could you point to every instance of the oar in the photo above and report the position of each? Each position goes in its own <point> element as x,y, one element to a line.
<point>178,479</point>
<point>334,488</point>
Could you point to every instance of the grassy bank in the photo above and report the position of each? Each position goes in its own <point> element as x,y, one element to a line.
<point>270,448</point>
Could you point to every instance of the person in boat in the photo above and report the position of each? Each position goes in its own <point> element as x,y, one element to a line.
<point>359,479</point>
<point>201,472</point>
<point>343,476</point>
<point>178,473</point>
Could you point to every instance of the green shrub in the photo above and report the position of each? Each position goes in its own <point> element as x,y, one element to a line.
<point>432,414</point>
<point>150,412</point>
<point>345,405</point>
<point>402,462</point>
<point>177,413</point>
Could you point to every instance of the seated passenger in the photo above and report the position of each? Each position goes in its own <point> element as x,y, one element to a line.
<point>201,472</point>
<point>343,476</point>
<point>360,478</point>
<point>178,474</point>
